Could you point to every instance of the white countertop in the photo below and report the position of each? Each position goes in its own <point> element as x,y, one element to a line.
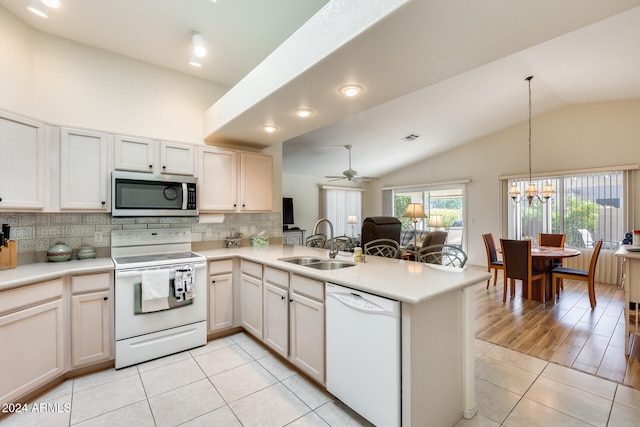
<point>42,271</point>
<point>405,281</point>
<point>624,252</point>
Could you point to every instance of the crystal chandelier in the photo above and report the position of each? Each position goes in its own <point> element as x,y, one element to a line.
<point>531,192</point>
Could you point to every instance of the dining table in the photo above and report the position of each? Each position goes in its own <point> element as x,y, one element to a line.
<point>543,260</point>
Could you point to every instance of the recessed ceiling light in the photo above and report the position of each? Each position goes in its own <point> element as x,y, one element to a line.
<point>350,90</point>
<point>269,128</point>
<point>303,112</point>
<point>197,45</point>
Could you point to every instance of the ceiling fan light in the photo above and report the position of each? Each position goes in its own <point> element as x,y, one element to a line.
<point>54,4</point>
<point>197,45</point>
<point>38,8</point>
<point>350,90</point>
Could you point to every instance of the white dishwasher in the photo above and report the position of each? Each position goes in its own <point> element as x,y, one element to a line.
<point>363,353</point>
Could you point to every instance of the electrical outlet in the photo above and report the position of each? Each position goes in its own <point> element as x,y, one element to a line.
<point>97,236</point>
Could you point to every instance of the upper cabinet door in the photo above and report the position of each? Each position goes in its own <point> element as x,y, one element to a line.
<point>176,159</point>
<point>84,170</point>
<point>23,168</point>
<point>256,182</point>
<point>217,180</point>
<point>134,154</point>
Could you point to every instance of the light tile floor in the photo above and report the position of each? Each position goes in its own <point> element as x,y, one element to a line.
<point>234,381</point>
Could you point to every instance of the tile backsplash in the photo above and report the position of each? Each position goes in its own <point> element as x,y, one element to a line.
<point>37,232</point>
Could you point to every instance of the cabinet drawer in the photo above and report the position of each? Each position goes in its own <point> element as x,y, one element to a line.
<point>91,283</point>
<point>309,287</point>
<point>252,269</point>
<point>222,266</point>
<point>30,295</point>
<point>276,277</point>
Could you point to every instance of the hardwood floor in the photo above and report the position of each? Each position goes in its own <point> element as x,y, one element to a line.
<point>568,333</point>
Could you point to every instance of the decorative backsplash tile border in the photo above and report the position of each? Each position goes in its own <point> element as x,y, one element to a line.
<point>37,232</point>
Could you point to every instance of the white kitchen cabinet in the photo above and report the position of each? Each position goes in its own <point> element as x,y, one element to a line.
<point>220,295</point>
<point>91,318</point>
<point>235,181</point>
<point>276,310</point>
<point>307,326</point>
<point>256,182</point>
<point>217,180</point>
<point>251,297</point>
<point>23,175</point>
<point>84,170</point>
<point>32,333</point>
<point>149,155</point>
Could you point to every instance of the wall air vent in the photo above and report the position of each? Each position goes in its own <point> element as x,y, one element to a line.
<point>410,137</point>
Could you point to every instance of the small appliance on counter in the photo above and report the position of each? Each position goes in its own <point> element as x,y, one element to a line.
<point>8,249</point>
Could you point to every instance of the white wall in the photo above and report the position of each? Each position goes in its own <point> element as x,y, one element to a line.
<point>306,199</point>
<point>574,137</point>
<point>63,82</point>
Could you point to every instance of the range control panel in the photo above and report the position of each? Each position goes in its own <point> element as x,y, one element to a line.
<point>156,236</point>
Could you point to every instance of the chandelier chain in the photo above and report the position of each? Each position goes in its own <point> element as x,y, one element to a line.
<point>529,80</point>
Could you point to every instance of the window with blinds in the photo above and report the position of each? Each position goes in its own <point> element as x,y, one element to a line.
<point>338,204</point>
<point>586,207</point>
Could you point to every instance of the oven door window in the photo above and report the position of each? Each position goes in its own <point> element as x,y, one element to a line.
<point>173,302</point>
<point>134,194</point>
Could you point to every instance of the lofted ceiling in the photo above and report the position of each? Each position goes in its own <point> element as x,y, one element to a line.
<point>448,71</point>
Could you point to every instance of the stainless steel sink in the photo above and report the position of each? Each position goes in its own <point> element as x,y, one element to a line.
<point>302,260</point>
<point>318,263</point>
<point>330,265</point>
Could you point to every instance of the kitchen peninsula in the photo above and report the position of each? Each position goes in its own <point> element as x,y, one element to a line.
<point>437,316</point>
<point>437,320</point>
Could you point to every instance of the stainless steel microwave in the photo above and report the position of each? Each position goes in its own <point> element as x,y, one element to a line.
<point>143,194</point>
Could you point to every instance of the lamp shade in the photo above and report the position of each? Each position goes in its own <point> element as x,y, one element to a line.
<point>436,221</point>
<point>414,210</point>
<point>352,219</point>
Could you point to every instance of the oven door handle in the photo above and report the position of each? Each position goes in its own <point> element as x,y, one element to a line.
<point>138,273</point>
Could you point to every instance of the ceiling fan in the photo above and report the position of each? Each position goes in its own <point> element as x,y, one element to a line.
<point>350,174</point>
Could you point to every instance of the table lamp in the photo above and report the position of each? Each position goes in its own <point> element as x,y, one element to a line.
<point>353,220</point>
<point>414,211</point>
<point>436,221</point>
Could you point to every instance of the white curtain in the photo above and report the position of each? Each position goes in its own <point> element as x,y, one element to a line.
<point>338,204</point>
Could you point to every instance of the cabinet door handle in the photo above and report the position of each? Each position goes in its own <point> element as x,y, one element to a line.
<point>0,199</point>
<point>103,203</point>
<point>290,299</point>
<point>105,298</point>
<point>150,166</point>
<point>164,167</point>
<point>283,297</point>
<point>213,281</point>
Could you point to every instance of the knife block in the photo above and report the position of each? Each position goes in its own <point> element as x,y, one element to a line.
<point>8,255</point>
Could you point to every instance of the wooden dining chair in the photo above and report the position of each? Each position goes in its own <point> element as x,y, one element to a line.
<point>560,273</point>
<point>492,258</point>
<point>388,248</point>
<point>555,240</point>
<point>516,255</point>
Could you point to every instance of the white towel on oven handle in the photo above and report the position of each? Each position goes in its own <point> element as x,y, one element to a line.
<point>183,282</point>
<point>154,290</point>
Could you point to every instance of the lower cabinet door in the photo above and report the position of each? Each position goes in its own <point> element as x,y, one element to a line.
<point>276,318</point>
<point>307,336</point>
<point>35,337</point>
<point>251,304</point>
<point>91,316</point>
<point>220,302</point>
